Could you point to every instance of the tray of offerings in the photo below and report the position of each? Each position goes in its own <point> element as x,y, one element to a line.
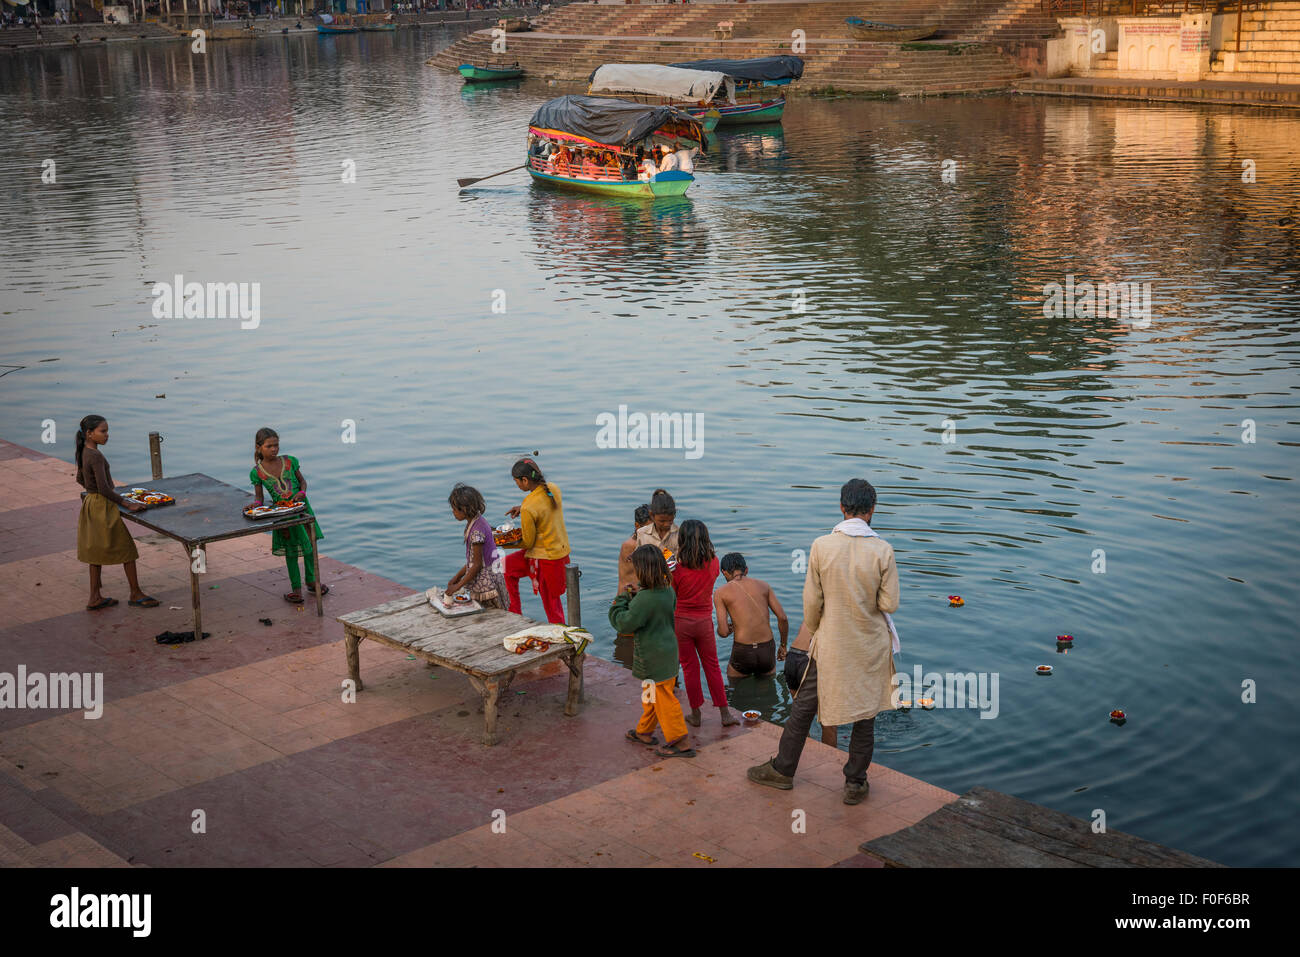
<point>275,510</point>
<point>508,536</point>
<point>148,497</point>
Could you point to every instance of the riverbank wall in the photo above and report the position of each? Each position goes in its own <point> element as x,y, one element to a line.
<point>22,39</point>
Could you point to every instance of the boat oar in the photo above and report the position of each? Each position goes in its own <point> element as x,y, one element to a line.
<point>462,183</point>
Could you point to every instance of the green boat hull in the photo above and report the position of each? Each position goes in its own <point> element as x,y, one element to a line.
<point>670,185</point>
<point>480,74</point>
<point>742,116</point>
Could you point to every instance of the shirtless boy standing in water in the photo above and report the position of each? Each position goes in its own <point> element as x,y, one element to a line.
<point>626,574</point>
<point>742,605</point>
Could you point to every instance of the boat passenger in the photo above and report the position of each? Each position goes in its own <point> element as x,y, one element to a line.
<point>562,161</point>
<point>669,161</point>
<point>589,168</point>
<point>648,168</point>
<point>686,160</point>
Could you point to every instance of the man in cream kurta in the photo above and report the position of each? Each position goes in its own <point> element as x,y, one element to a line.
<point>851,588</point>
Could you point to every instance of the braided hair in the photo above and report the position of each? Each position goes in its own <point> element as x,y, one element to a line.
<point>89,424</point>
<point>526,468</point>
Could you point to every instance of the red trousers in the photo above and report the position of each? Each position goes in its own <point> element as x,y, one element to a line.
<point>696,648</point>
<point>548,579</point>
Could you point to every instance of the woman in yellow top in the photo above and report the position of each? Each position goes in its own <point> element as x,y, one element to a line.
<point>544,550</point>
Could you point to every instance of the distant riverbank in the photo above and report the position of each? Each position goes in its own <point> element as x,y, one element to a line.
<point>51,37</point>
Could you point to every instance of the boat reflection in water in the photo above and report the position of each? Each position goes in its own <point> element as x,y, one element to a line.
<point>747,147</point>
<point>603,238</point>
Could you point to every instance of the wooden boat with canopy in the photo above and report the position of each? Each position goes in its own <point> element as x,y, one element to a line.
<point>334,23</point>
<point>592,144</point>
<point>877,32</point>
<point>757,81</point>
<point>691,91</point>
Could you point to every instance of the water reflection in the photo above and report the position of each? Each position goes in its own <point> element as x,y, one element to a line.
<point>829,303</point>
<point>628,242</point>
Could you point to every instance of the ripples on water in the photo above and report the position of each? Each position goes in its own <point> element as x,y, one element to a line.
<point>923,304</point>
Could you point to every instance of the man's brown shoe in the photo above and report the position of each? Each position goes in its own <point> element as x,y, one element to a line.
<point>854,793</point>
<point>766,774</point>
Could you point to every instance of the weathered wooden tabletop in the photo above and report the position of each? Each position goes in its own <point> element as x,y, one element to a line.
<point>470,644</point>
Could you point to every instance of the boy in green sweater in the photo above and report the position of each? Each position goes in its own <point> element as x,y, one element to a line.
<point>646,611</point>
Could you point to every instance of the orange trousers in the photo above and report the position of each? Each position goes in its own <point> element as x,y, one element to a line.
<point>663,709</point>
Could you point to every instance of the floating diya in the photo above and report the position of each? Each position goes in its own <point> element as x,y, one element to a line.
<point>751,715</point>
<point>1044,669</point>
<point>905,706</point>
<point>1065,639</point>
<point>925,703</point>
<point>956,601</point>
<point>1118,716</point>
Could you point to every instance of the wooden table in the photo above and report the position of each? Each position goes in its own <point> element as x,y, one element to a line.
<point>470,644</point>
<point>207,510</point>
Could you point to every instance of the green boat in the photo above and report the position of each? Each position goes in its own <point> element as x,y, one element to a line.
<point>379,28</point>
<point>480,74</point>
<point>672,183</point>
<point>569,126</point>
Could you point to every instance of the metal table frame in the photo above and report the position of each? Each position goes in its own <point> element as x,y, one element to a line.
<point>201,541</point>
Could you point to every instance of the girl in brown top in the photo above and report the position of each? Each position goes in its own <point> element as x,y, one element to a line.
<point>102,538</point>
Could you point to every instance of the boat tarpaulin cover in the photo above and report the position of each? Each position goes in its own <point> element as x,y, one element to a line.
<point>657,80</point>
<point>606,120</point>
<point>759,68</point>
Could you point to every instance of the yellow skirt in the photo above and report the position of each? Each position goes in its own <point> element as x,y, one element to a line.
<point>102,538</point>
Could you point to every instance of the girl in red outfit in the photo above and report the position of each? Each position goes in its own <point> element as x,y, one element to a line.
<point>697,571</point>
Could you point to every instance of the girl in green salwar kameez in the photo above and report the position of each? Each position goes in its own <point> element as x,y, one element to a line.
<point>281,477</point>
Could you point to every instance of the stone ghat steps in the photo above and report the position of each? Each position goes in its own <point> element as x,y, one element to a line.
<point>841,64</point>
<point>964,18</point>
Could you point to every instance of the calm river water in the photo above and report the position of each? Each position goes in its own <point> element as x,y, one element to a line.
<point>921,302</point>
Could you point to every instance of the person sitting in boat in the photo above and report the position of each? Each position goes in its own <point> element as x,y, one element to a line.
<point>669,160</point>
<point>686,160</point>
<point>650,165</point>
<point>589,168</point>
<point>561,161</point>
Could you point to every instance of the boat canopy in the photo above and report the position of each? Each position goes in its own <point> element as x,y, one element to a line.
<point>607,121</point>
<point>657,80</point>
<point>770,68</point>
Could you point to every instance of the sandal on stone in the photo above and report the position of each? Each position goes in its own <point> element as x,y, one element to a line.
<point>102,603</point>
<point>292,598</point>
<point>632,736</point>
<point>145,602</point>
<point>672,751</point>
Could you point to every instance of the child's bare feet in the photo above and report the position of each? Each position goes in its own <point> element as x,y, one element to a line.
<point>693,718</point>
<point>728,719</point>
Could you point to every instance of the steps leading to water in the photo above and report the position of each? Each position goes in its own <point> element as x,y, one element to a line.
<point>975,48</point>
<point>841,64</point>
<point>1270,46</point>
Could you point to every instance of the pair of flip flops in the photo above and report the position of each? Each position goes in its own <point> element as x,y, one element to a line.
<point>664,751</point>
<point>145,602</point>
<point>295,599</point>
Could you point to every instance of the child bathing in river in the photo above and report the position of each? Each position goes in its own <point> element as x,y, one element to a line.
<point>482,574</point>
<point>646,611</point>
<point>281,475</point>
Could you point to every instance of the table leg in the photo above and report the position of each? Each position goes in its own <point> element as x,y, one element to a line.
<point>315,568</point>
<point>576,696</point>
<point>490,698</point>
<point>352,647</point>
<point>194,594</point>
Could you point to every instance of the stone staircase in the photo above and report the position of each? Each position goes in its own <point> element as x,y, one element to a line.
<point>976,47</point>
<point>1270,45</point>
